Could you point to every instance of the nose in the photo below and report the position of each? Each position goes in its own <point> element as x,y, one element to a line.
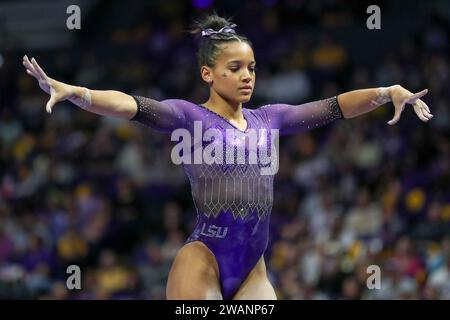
<point>246,76</point>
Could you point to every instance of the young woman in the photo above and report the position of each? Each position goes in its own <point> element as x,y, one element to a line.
<point>224,256</point>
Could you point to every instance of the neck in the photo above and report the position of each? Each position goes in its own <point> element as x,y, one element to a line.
<point>227,109</point>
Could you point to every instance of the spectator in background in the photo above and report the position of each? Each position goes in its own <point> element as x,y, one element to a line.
<point>25,135</point>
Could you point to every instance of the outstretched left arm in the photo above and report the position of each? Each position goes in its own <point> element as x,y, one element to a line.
<point>358,102</point>
<point>293,119</point>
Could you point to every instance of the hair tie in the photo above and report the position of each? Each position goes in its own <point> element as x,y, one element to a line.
<point>227,29</point>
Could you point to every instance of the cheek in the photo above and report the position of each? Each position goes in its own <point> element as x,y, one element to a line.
<point>227,80</point>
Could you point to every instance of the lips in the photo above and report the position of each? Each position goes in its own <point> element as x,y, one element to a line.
<point>246,88</point>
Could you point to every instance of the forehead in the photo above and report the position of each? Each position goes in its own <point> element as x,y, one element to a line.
<point>236,51</point>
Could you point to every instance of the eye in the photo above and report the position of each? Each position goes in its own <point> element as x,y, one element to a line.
<point>252,69</point>
<point>234,69</point>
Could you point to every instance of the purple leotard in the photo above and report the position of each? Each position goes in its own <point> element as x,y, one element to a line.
<point>233,201</point>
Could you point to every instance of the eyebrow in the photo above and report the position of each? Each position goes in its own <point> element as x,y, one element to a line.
<point>239,61</point>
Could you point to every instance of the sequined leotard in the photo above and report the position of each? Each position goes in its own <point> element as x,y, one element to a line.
<point>233,201</point>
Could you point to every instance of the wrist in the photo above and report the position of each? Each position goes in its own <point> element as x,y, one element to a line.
<point>391,89</point>
<point>384,94</point>
<point>80,96</point>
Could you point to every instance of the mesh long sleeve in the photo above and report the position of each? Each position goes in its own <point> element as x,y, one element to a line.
<point>291,119</point>
<point>164,116</point>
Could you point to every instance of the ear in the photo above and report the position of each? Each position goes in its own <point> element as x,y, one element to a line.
<point>206,74</point>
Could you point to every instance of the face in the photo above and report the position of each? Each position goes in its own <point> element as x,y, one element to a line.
<point>233,77</point>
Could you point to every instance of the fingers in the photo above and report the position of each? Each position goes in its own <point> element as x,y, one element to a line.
<point>30,68</point>
<point>424,109</point>
<point>420,107</point>
<point>398,112</point>
<point>420,112</point>
<point>425,106</point>
<point>34,69</point>
<point>50,104</point>
<point>412,99</point>
<point>39,70</point>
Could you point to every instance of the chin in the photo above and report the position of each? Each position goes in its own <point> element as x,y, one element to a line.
<point>245,99</point>
<point>240,99</point>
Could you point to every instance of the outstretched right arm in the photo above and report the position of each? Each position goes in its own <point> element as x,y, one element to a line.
<point>102,102</point>
<point>164,116</point>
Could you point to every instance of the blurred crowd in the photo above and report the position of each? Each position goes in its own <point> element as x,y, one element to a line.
<point>102,193</point>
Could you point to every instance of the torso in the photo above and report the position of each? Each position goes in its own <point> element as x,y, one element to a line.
<point>233,201</point>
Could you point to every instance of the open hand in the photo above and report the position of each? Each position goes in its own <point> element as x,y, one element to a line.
<point>57,90</point>
<point>400,97</point>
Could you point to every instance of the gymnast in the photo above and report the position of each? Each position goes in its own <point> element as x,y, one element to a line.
<point>223,258</point>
